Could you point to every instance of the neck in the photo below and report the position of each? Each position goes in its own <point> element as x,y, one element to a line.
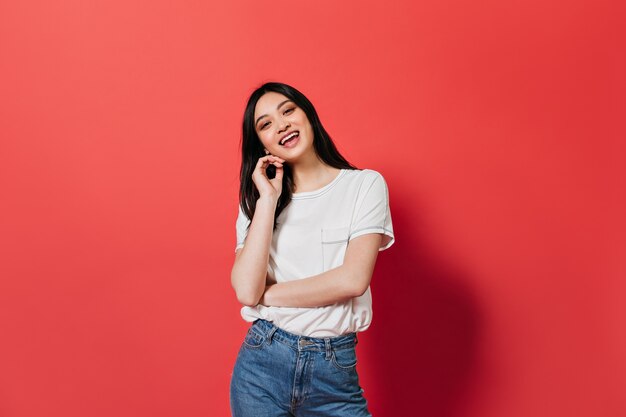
<point>312,174</point>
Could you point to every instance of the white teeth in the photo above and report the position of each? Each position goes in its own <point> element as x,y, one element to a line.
<point>291,135</point>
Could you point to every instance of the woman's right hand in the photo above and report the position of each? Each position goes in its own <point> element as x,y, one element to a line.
<point>268,187</point>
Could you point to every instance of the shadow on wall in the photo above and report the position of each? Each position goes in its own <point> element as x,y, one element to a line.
<point>421,347</point>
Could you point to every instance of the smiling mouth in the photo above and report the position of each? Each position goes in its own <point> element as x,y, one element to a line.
<point>289,137</point>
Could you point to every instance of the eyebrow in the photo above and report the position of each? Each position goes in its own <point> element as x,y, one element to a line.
<point>277,107</point>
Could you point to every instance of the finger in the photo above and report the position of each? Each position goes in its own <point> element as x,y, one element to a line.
<point>279,174</point>
<point>262,164</point>
<point>273,158</point>
<point>265,161</point>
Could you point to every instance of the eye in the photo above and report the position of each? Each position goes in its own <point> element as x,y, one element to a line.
<point>289,110</point>
<point>264,125</point>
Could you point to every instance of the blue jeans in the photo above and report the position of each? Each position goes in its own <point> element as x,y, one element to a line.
<point>280,374</point>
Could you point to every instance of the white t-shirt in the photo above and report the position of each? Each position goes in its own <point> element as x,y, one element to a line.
<point>311,237</point>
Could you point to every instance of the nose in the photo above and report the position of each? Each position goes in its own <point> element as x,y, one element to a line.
<point>283,125</point>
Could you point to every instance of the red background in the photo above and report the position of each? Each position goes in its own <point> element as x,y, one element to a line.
<point>498,125</point>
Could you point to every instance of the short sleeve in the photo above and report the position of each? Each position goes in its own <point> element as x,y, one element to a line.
<point>241,225</point>
<point>372,214</point>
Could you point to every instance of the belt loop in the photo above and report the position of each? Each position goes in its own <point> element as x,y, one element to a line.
<point>270,334</point>
<point>328,348</point>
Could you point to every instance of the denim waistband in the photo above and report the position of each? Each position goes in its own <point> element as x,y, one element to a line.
<point>320,344</point>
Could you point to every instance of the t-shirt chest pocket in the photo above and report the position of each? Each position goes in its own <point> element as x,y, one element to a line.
<point>334,244</point>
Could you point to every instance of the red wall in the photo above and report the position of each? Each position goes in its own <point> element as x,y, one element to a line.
<point>499,127</point>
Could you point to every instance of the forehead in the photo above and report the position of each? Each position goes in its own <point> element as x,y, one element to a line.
<point>268,103</point>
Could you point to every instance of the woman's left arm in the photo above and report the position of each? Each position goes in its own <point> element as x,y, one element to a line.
<point>349,280</point>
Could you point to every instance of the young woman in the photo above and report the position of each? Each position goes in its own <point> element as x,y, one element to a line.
<point>309,229</point>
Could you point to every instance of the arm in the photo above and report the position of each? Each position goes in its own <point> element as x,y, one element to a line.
<point>250,267</point>
<point>349,280</point>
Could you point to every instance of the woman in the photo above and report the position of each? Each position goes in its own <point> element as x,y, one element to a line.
<point>309,229</point>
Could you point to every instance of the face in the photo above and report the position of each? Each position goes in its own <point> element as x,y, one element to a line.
<point>282,127</point>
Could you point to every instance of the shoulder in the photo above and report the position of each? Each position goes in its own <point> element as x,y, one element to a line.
<point>366,183</point>
<point>372,175</point>
<point>366,177</point>
<point>364,174</point>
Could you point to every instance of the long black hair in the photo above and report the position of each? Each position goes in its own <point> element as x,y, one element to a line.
<point>252,148</point>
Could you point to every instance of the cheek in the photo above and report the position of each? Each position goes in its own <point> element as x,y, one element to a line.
<point>309,131</point>
<point>307,125</point>
<point>263,138</point>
